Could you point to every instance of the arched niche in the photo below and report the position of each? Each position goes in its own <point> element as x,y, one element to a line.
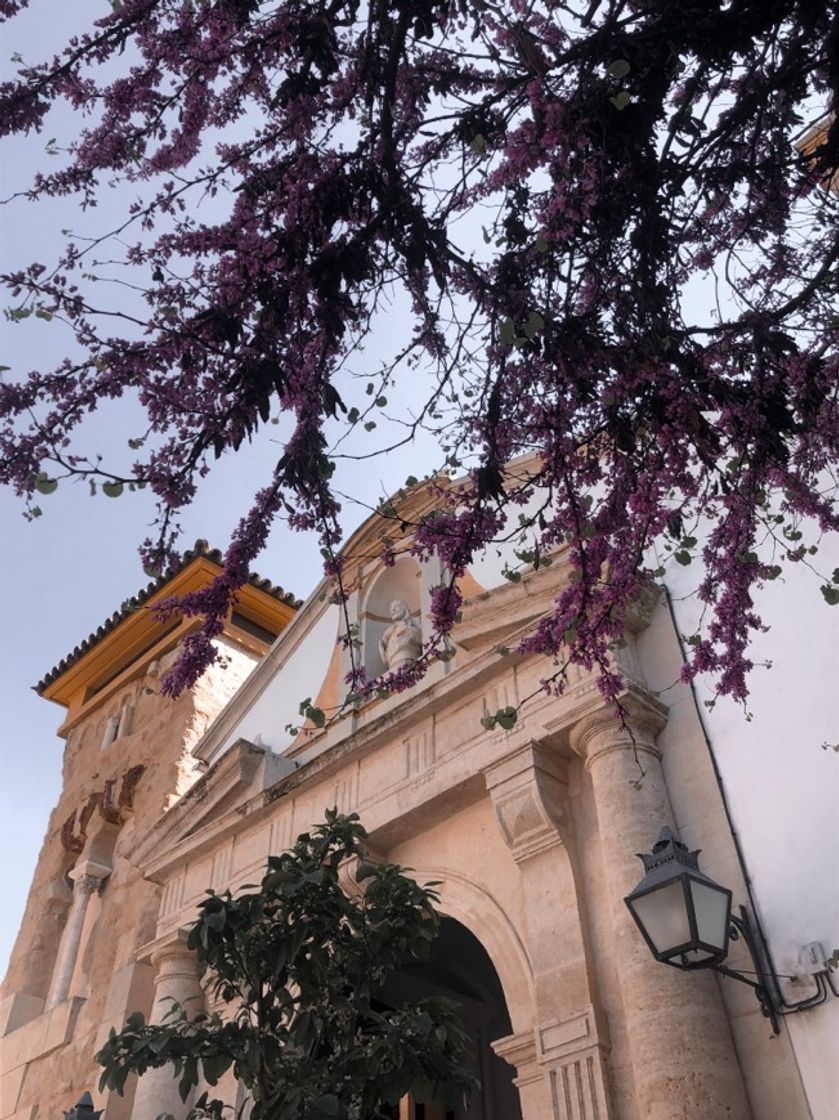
<point>401,581</point>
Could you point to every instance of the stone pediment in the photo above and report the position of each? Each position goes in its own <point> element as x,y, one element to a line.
<point>212,807</point>
<point>491,617</point>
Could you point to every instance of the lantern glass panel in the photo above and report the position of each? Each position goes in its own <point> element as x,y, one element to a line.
<point>712,905</point>
<point>663,914</point>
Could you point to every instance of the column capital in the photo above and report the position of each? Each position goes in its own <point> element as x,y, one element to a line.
<point>173,944</point>
<point>603,730</point>
<point>519,1051</point>
<point>527,792</point>
<point>567,1056</point>
<point>88,876</point>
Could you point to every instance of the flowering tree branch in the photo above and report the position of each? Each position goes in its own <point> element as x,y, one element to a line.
<point>608,156</point>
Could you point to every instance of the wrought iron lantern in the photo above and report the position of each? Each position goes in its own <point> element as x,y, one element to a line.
<point>685,917</point>
<point>686,920</point>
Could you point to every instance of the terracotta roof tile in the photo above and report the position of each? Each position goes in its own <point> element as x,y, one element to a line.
<point>200,549</point>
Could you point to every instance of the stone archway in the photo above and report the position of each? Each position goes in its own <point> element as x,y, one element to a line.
<point>461,969</point>
<point>473,907</point>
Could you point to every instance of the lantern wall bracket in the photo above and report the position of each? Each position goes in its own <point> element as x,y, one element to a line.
<point>766,982</point>
<point>741,929</point>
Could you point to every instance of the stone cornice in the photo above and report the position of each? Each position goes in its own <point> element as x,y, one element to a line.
<point>203,808</point>
<point>181,834</point>
<point>602,730</point>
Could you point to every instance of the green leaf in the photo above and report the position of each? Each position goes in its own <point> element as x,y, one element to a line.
<point>683,558</point>
<point>353,415</point>
<point>317,716</point>
<point>619,68</point>
<point>380,402</point>
<point>488,722</point>
<point>621,100</point>
<point>689,542</point>
<point>507,717</point>
<point>478,145</point>
<point>46,485</point>
<point>535,323</point>
<point>370,425</point>
<point>215,1066</point>
<point>541,244</point>
<point>831,594</point>
<point>507,331</point>
<point>112,489</point>
<point>327,1107</point>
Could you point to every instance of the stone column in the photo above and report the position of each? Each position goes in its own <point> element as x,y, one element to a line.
<point>683,1060</point>
<point>176,978</point>
<point>560,1064</point>
<point>87,879</point>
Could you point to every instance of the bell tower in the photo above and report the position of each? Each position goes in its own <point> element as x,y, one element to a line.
<point>127,759</point>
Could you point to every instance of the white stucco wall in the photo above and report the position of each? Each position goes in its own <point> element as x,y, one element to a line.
<point>300,675</point>
<point>783,788</point>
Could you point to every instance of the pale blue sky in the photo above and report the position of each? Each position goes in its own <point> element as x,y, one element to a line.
<point>69,570</point>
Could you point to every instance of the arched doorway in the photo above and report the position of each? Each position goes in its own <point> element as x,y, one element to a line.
<point>460,968</point>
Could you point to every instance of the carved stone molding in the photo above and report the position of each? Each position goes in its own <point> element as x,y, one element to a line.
<point>604,730</point>
<point>568,1054</point>
<point>527,791</point>
<point>519,1051</point>
<point>170,944</point>
<point>112,806</point>
<point>560,1038</point>
<point>578,1088</point>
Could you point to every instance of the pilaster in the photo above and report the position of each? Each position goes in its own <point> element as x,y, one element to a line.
<point>560,1064</point>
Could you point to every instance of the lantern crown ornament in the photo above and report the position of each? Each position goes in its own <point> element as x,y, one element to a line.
<point>84,1109</point>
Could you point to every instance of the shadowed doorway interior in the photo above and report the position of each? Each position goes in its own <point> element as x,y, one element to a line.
<point>461,969</point>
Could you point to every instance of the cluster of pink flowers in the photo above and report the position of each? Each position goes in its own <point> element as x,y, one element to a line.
<point>614,154</point>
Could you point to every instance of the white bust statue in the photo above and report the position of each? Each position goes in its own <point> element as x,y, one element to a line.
<point>402,640</point>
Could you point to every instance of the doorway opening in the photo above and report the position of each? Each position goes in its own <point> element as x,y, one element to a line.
<point>460,968</point>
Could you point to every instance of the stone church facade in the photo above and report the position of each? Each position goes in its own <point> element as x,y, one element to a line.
<point>532,834</point>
